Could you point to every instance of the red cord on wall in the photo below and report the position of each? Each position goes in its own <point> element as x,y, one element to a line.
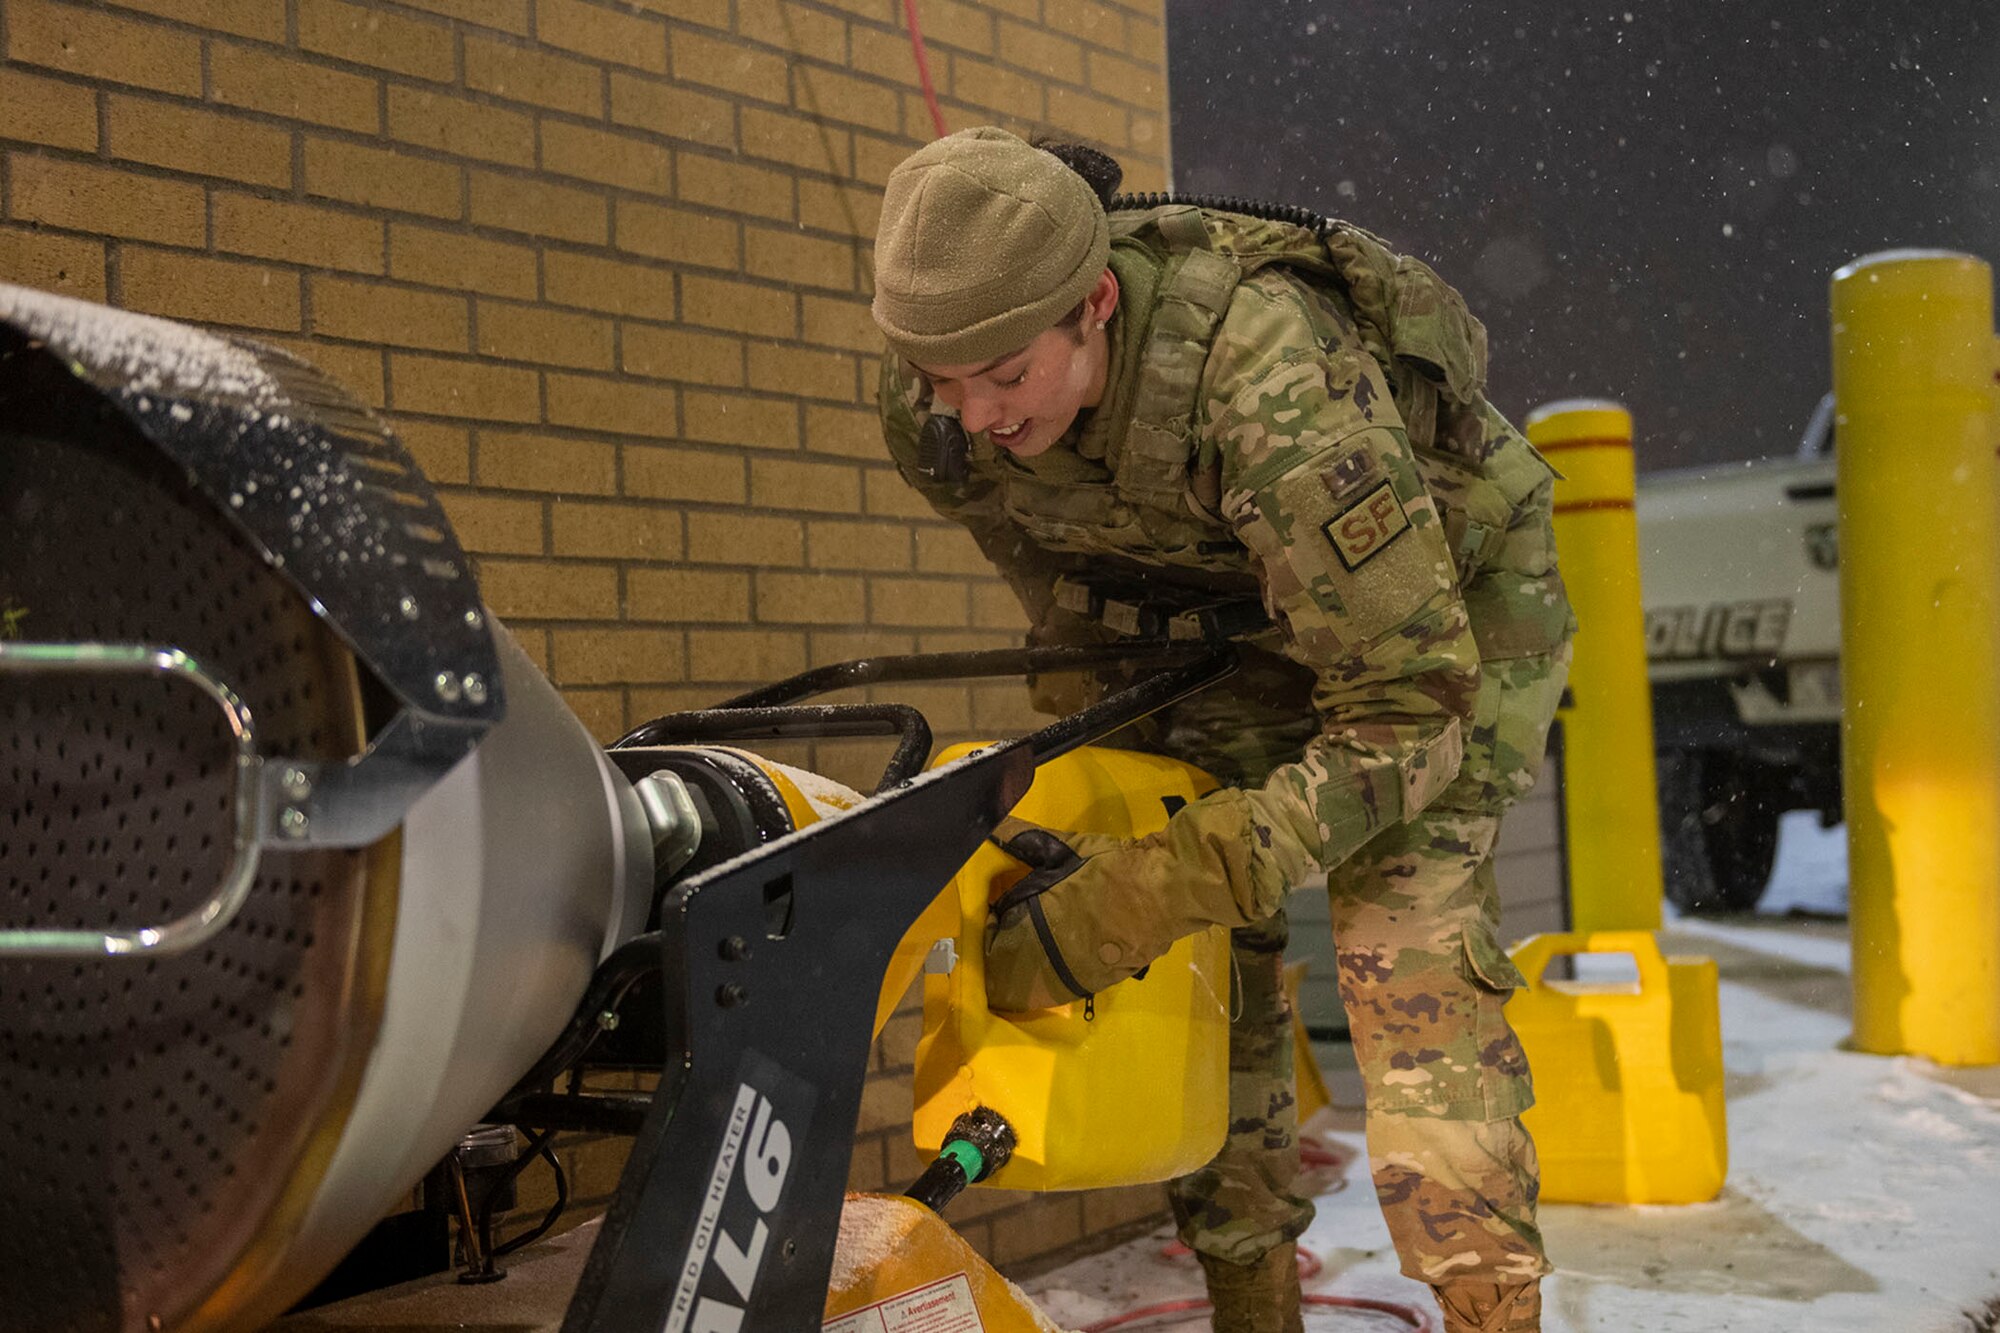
<point>924,67</point>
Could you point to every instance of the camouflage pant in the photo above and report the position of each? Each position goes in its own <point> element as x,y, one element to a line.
<point>1422,977</point>
<point>1241,1204</point>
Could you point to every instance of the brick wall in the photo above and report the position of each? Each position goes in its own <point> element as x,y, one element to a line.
<point>604,266</point>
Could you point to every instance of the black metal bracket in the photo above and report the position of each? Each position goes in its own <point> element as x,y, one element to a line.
<point>728,1209</point>
<point>1184,672</point>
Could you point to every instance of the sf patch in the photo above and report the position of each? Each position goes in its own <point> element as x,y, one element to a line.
<point>1361,531</point>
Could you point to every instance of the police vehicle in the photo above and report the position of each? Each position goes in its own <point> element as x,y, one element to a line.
<point>1739,564</point>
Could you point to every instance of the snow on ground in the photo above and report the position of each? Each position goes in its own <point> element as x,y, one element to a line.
<point>1861,1199</point>
<point>1861,1196</point>
<point>1863,1193</point>
<point>1830,952</point>
<point>1810,874</point>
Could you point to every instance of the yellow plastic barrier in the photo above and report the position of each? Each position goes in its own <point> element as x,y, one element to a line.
<point>1132,1086</point>
<point>1628,1077</point>
<point>1609,802</point>
<point>1919,491</point>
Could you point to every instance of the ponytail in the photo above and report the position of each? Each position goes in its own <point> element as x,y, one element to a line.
<point>1098,168</point>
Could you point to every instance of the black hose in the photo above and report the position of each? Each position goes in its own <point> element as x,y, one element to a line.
<point>1294,214</point>
<point>537,1146</point>
<point>628,964</point>
<point>527,1238</point>
<point>796,722</point>
<point>942,1181</point>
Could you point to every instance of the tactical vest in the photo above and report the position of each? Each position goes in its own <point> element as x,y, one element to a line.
<point>1161,505</point>
<point>1430,348</point>
<point>1427,343</point>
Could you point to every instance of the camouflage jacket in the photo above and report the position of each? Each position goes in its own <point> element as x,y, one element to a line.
<point>1302,418</point>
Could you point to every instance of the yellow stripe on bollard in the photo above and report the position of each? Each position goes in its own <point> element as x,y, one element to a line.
<point>1919,496</point>
<point>1609,797</point>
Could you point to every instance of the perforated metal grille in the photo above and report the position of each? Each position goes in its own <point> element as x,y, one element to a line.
<point>152,1111</point>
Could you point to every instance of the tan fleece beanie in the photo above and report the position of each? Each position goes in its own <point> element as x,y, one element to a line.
<point>984,243</point>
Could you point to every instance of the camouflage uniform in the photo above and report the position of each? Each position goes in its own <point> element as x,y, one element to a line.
<point>1302,418</point>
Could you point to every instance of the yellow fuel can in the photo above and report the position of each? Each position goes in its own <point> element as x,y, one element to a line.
<point>1628,1074</point>
<point>1128,1087</point>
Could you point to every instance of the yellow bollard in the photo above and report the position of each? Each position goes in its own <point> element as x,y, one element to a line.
<point>1919,494</point>
<point>1609,800</point>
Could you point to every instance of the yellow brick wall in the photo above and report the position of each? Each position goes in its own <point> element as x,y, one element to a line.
<point>604,266</point>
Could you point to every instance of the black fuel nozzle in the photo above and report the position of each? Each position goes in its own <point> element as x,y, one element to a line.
<point>978,1144</point>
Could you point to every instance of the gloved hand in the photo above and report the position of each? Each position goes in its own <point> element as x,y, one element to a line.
<point>1025,967</point>
<point>1093,910</point>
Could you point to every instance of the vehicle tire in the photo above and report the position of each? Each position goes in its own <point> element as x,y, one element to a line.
<point>1718,829</point>
<point>1690,884</point>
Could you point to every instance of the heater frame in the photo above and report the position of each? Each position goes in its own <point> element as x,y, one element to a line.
<point>728,1210</point>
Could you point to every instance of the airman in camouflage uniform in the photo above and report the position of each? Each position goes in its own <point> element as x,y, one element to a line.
<point>1296,415</point>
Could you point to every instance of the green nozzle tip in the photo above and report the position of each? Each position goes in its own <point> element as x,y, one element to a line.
<point>969,1158</point>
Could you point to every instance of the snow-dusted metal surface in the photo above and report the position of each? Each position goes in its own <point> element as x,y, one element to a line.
<point>312,477</point>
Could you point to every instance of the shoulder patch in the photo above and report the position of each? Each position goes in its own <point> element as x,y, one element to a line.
<point>1365,528</point>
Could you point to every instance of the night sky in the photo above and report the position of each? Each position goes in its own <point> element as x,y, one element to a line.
<point>1643,203</point>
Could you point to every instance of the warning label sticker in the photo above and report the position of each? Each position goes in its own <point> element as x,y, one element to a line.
<point>944,1306</point>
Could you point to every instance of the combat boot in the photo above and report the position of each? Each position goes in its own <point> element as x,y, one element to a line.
<point>1486,1307</point>
<point>1260,1297</point>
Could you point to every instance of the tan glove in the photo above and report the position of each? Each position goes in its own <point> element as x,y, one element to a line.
<point>1093,910</point>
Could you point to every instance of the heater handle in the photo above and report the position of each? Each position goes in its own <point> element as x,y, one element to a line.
<point>192,929</point>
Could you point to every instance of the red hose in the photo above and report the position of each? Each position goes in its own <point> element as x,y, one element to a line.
<point>1410,1315</point>
<point>1145,1312</point>
<point>924,67</point>
<point>1323,1152</point>
<point>1310,1265</point>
